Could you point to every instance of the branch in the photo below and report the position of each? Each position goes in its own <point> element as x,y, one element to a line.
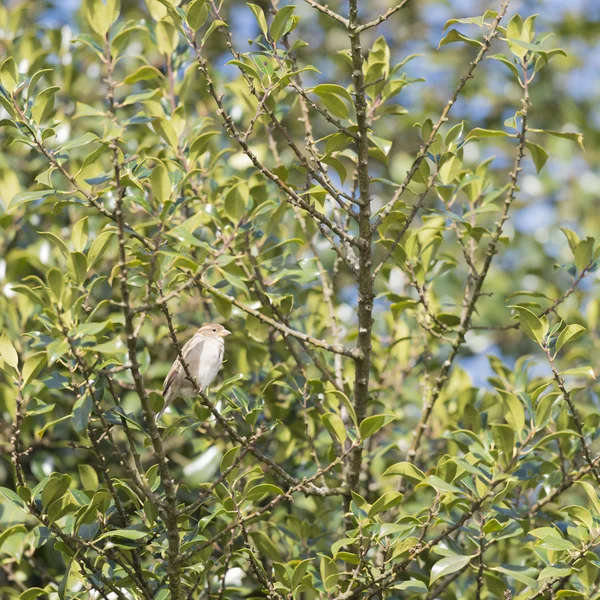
<point>547,587</point>
<point>478,281</point>
<point>292,196</point>
<point>284,329</point>
<point>409,219</point>
<point>379,583</point>
<point>560,382</point>
<point>362,370</point>
<point>234,436</point>
<point>487,42</point>
<point>327,11</point>
<point>301,486</point>
<point>564,485</point>
<point>384,17</point>
<point>551,308</point>
<point>168,510</point>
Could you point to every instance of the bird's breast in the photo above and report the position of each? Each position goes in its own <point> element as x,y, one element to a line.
<point>210,362</point>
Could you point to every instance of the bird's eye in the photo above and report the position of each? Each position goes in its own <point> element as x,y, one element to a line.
<point>214,329</point>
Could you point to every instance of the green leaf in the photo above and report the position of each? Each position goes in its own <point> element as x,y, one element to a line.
<point>7,352</point>
<point>25,197</point>
<point>32,366</point>
<point>82,140</point>
<point>334,105</point>
<point>346,402</point>
<point>581,514</point>
<point>261,490</point>
<point>551,539</point>
<point>264,544</point>
<point>514,413</point>
<point>572,238</point>
<point>413,586</point>
<point>299,572</point>
<point>88,476</point>
<point>236,201</point>
<point>556,571</point>
<point>478,132</point>
<point>51,424</point>
<point>260,17</point>
<point>407,470</point>
<point>114,346</point>
<point>566,135</point>
<point>125,534</point>
<point>583,371</point>
<point>583,253</point>
<point>82,409</point>
<point>9,75</point>
<point>442,486</point>
<point>538,154</point>
<point>213,27</point>
<point>44,104</point>
<point>280,22</point>
<point>33,592</point>
<point>141,97</point>
<point>12,497</point>
<point>167,132</point>
<point>329,573</point>
<point>448,565</point>
<point>10,109</point>
<point>479,21</point>
<point>77,266</point>
<point>504,439</point>
<point>99,15</point>
<point>55,279</point>
<point>160,183</point>
<point>334,424</point>
<point>200,145</point>
<point>371,425</point>
<point>534,327</point>
<point>55,488</point>
<point>592,495</point>
<point>62,588</point>
<point>167,37</point>
<point>196,14</point>
<point>514,31</point>
<point>143,73</point>
<point>10,531</point>
<point>98,247</point>
<point>385,502</point>
<point>524,574</point>
<point>504,60</point>
<point>455,36</point>
<point>569,334</point>
<point>229,458</point>
<point>332,88</point>
<point>79,236</point>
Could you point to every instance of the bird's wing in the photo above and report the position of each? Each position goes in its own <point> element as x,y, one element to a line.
<point>171,376</point>
<point>192,346</point>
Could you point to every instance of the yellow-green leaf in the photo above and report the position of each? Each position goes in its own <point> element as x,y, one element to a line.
<point>143,73</point>
<point>160,183</point>
<point>7,352</point>
<point>32,366</point>
<point>9,76</point>
<point>167,37</point>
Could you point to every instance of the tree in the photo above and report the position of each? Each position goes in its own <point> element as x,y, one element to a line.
<point>358,251</point>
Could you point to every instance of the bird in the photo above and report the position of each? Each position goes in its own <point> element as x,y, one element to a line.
<point>203,354</point>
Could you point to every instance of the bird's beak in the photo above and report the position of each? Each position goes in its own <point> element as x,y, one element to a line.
<point>224,333</point>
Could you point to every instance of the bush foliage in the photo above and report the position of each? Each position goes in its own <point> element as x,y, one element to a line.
<point>159,172</point>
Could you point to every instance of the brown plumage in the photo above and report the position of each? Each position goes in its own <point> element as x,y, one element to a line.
<point>203,355</point>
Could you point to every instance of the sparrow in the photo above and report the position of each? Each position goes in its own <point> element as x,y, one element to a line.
<point>203,354</point>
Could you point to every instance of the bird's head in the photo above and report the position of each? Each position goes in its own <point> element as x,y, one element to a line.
<point>213,330</point>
